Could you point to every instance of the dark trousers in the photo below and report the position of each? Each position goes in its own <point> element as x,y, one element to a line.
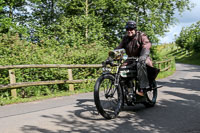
<point>146,74</point>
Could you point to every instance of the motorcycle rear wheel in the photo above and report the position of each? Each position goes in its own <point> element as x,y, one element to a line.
<point>151,95</point>
<point>107,97</point>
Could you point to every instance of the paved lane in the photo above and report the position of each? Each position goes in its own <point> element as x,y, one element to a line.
<point>177,111</point>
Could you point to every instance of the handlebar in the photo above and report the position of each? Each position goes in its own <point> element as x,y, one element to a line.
<point>109,62</point>
<point>133,58</point>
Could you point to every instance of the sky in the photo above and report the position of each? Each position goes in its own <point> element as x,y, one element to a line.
<point>186,19</point>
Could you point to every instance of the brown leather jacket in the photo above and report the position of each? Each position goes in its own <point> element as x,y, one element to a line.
<point>136,45</point>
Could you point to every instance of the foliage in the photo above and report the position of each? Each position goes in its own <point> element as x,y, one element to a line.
<point>20,52</point>
<point>13,16</point>
<point>163,52</point>
<point>189,37</point>
<point>191,57</point>
<point>82,22</point>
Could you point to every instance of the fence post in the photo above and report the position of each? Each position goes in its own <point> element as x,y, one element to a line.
<point>70,77</point>
<point>170,63</point>
<point>159,66</point>
<point>165,64</point>
<point>12,81</point>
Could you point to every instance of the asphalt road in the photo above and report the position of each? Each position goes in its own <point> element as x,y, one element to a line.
<point>177,111</point>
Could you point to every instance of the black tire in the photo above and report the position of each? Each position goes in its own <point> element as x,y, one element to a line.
<point>151,95</point>
<point>107,97</point>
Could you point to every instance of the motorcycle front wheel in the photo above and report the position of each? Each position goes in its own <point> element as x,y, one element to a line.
<point>107,96</point>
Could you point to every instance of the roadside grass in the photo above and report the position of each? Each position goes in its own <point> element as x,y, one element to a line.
<point>6,101</point>
<point>165,74</point>
<point>189,58</point>
<point>87,87</point>
<point>165,52</point>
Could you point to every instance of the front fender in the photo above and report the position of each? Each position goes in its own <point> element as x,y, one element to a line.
<point>108,73</point>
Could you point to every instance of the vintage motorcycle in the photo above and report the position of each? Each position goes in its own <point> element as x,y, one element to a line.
<point>114,90</point>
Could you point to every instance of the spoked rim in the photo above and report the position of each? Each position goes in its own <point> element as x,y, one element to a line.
<point>109,98</point>
<point>151,95</point>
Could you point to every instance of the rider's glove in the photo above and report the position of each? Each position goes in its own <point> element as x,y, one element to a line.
<point>143,55</point>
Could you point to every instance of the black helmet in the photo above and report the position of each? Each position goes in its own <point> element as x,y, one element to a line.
<point>131,25</point>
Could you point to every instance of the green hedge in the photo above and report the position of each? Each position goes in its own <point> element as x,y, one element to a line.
<point>14,51</point>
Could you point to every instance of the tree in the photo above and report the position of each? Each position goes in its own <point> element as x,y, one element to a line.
<point>189,37</point>
<point>72,22</point>
<point>153,17</point>
<point>13,14</point>
<point>89,21</point>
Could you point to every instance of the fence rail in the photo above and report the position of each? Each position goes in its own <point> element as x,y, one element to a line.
<point>13,85</point>
<point>51,66</point>
<point>165,63</point>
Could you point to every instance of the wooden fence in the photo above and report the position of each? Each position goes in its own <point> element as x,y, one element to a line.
<point>163,65</point>
<point>13,85</point>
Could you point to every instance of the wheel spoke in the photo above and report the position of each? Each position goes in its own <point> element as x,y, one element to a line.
<point>109,98</point>
<point>151,95</point>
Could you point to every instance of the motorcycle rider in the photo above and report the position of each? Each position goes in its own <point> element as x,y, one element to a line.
<point>137,44</point>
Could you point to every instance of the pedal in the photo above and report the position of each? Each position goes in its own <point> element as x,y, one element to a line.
<point>157,87</point>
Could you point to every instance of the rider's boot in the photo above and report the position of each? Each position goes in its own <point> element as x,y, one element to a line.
<point>140,92</point>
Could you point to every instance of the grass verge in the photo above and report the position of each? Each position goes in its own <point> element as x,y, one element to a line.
<point>189,58</point>
<point>165,74</point>
<point>6,101</point>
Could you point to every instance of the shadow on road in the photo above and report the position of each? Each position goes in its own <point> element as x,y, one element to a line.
<point>177,114</point>
<point>189,84</point>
